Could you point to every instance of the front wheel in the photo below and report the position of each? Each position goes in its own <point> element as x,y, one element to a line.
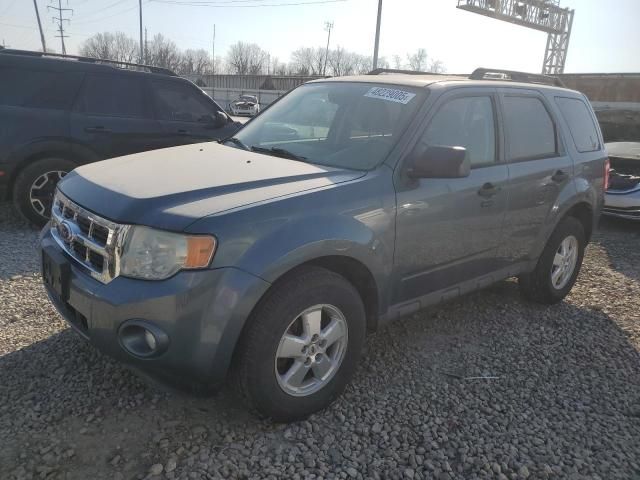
<point>302,345</point>
<point>35,186</point>
<point>558,266</point>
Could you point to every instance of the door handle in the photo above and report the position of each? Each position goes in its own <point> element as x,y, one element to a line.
<point>559,176</point>
<point>98,129</point>
<point>488,190</point>
<point>184,132</point>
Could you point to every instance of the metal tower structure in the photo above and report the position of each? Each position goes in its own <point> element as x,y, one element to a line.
<point>544,15</point>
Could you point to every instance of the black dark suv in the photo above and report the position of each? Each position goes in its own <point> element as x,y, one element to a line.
<point>60,112</point>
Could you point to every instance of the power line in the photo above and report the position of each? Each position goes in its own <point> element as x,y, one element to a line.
<point>218,5</point>
<point>100,10</point>
<point>107,17</point>
<point>60,18</point>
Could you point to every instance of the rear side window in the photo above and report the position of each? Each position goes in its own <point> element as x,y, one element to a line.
<point>179,102</point>
<point>37,88</point>
<point>530,130</point>
<point>583,130</point>
<point>465,122</point>
<point>113,96</point>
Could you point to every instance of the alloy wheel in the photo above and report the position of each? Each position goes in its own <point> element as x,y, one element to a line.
<point>42,191</point>
<point>311,350</point>
<point>564,262</point>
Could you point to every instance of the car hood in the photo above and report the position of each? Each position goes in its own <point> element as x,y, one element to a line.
<point>173,187</point>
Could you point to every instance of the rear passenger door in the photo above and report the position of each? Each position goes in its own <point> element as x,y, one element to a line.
<point>186,113</point>
<point>539,169</point>
<point>448,229</point>
<point>112,116</point>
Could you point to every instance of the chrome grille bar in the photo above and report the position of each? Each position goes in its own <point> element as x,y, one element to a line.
<point>74,228</point>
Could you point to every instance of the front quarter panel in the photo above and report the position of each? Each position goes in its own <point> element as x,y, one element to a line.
<point>353,219</point>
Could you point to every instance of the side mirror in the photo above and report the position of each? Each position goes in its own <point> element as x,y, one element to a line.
<point>440,162</point>
<point>220,119</point>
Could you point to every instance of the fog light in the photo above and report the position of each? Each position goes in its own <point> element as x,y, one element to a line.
<point>142,338</point>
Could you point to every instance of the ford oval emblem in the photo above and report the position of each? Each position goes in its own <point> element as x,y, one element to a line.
<point>65,232</point>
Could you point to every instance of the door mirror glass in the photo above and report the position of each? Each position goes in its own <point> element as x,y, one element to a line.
<point>440,162</point>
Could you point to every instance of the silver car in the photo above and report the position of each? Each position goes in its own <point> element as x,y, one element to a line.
<point>245,105</point>
<point>622,198</point>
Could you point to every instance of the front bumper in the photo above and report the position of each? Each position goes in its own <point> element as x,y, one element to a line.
<point>201,312</point>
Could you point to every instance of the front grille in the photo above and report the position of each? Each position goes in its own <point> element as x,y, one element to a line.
<point>94,242</point>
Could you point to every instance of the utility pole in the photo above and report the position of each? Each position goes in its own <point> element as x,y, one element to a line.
<point>328,26</point>
<point>60,18</point>
<point>141,46</point>
<point>44,45</point>
<point>146,48</point>
<point>375,48</point>
<point>213,52</point>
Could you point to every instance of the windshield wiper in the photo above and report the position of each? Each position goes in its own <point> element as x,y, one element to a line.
<point>235,141</point>
<point>278,152</point>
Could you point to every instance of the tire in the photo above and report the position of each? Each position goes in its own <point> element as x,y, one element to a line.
<point>541,285</point>
<point>37,208</point>
<point>260,375</point>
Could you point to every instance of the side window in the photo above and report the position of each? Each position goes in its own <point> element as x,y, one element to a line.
<point>112,95</point>
<point>37,88</point>
<point>467,122</point>
<point>583,130</point>
<point>178,102</point>
<point>530,131</point>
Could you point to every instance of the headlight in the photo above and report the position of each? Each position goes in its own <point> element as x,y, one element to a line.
<point>155,255</point>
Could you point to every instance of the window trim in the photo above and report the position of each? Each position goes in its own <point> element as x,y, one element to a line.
<point>79,107</point>
<point>556,132</point>
<point>566,120</point>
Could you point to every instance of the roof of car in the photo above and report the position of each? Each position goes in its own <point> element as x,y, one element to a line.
<point>424,80</point>
<point>394,79</point>
<point>23,58</point>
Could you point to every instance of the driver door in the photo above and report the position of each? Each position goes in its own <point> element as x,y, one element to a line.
<point>448,229</point>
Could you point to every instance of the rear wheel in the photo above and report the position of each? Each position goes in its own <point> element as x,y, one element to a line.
<point>35,186</point>
<point>558,266</point>
<point>302,345</point>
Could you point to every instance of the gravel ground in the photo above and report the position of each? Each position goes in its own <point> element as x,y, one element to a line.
<point>559,397</point>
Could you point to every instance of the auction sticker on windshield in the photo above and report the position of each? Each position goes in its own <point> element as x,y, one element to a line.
<point>390,94</point>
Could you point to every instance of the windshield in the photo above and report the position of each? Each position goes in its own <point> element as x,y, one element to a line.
<point>346,125</point>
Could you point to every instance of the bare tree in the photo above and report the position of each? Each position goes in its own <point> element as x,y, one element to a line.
<point>164,53</point>
<point>397,62</point>
<point>247,58</point>
<point>418,60</point>
<point>437,66</point>
<point>308,61</point>
<point>110,46</point>
<point>194,61</point>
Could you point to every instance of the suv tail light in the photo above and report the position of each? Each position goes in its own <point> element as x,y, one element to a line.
<point>607,172</point>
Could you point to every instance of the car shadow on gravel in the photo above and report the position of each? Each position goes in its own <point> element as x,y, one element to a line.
<point>484,380</point>
<point>622,244</point>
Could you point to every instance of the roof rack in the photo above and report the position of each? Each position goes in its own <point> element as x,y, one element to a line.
<point>98,61</point>
<point>380,71</point>
<point>513,76</point>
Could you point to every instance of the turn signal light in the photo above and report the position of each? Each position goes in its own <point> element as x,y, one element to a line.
<point>199,251</point>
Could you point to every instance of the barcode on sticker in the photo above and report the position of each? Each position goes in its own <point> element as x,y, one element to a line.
<point>390,94</point>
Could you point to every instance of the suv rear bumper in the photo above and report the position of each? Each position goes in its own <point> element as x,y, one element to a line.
<point>201,312</point>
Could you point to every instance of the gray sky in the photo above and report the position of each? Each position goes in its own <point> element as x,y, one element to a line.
<point>605,38</point>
